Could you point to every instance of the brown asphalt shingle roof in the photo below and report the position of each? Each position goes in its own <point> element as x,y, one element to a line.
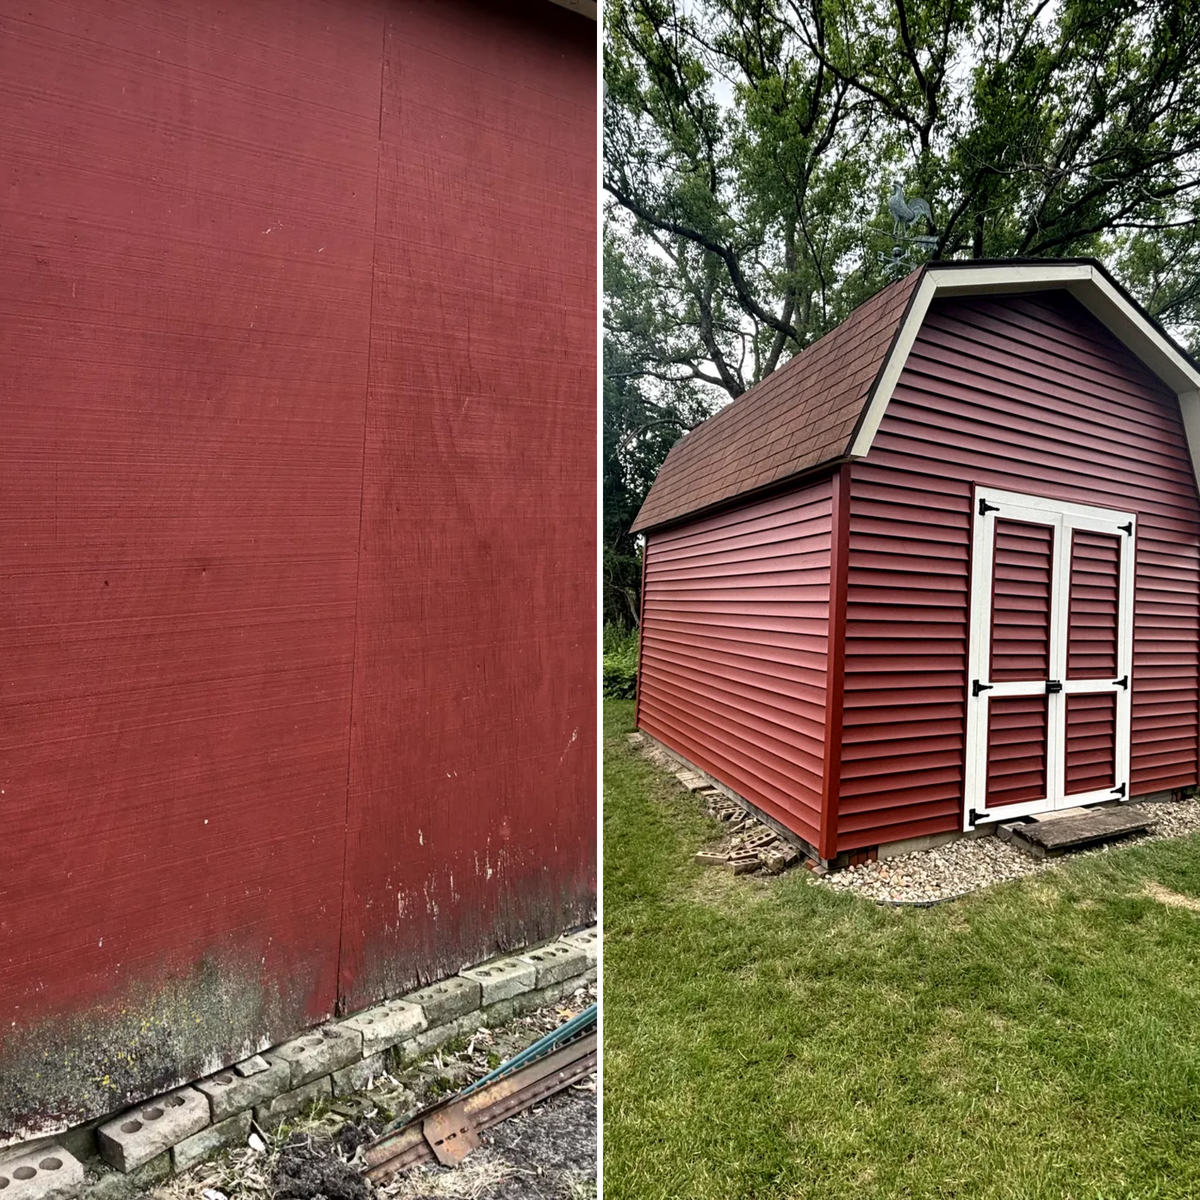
<point>802,415</point>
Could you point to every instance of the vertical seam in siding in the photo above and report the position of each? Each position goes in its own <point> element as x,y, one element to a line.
<point>339,988</point>
<point>836,660</point>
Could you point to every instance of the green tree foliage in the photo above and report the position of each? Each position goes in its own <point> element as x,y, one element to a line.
<point>752,144</point>
<point>641,418</point>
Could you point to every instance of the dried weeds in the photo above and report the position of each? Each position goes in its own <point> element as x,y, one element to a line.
<point>548,1153</point>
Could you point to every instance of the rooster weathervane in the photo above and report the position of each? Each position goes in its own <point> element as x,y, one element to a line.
<point>905,213</point>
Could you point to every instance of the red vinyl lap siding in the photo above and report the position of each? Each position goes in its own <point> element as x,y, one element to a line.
<point>734,641</point>
<point>1029,394</point>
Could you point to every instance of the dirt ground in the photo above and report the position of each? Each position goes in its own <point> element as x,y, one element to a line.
<point>546,1153</point>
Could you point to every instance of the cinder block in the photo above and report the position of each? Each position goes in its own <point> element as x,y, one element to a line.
<point>50,1173</point>
<point>230,1092</point>
<point>425,1043</point>
<point>318,1052</point>
<point>386,1024</point>
<point>442,1001</point>
<point>252,1066</point>
<point>557,962</point>
<point>113,1185</point>
<point>274,1112</point>
<point>587,940</point>
<point>357,1077</point>
<point>231,1132</point>
<point>502,978</point>
<point>142,1133</point>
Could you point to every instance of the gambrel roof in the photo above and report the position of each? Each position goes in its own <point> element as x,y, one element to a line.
<point>826,404</point>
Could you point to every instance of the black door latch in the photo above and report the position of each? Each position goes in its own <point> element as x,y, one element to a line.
<point>1053,686</point>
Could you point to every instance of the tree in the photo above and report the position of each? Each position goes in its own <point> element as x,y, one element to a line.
<point>648,406</point>
<point>750,146</point>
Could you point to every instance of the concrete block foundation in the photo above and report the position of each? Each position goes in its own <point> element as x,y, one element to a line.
<point>450,998</point>
<point>143,1133</point>
<point>557,962</point>
<point>230,1092</point>
<point>233,1131</point>
<point>318,1052</point>
<point>502,979</point>
<point>272,1113</point>
<point>50,1173</point>
<point>386,1025</point>
<point>177,1130</point>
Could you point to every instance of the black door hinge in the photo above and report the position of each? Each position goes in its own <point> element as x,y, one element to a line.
<point>973,817</point>
<point>985,507</point>
<point>1123,682</point>
<point>977,687</point>
<point>1053,687</point>
<point>1127,528</point>
<point>1119,791</point>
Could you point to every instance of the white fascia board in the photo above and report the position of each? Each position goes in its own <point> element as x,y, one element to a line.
<point>1128,325</point>
<point>889,376</point>
<point>1088,286</point>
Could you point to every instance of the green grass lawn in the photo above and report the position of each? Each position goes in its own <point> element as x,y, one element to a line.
<point>768,1038</point>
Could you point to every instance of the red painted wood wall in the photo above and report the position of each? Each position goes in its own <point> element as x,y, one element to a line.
<point>735,630</point>
<point>1029,394</point>
<point>296,518</point>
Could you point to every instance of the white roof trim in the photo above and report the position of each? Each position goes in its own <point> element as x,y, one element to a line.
<point>1088,285</point>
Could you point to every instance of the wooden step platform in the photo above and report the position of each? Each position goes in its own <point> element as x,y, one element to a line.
<point>1087,827</point>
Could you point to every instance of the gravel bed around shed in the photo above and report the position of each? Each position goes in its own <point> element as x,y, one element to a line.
<point>953,870</point>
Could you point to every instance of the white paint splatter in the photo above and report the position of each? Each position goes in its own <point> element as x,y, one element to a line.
<point>574,735</point>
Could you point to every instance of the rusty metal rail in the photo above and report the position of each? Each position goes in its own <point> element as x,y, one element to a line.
<point>446,1132</point>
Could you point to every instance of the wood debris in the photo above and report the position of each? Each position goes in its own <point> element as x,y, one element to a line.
<point>748,844</point>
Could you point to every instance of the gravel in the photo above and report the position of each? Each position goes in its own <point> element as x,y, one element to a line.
<point>969,864</point>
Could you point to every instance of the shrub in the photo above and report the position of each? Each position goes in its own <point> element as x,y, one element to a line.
<point>620,662</point>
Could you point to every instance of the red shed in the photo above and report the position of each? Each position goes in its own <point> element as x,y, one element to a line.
<point>941,569</point>
<point>297,615</point>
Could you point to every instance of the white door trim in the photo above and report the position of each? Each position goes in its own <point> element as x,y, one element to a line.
<point>1064,518</point>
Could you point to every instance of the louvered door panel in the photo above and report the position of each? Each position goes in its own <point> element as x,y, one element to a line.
<point>1091,742</point>
<point>1024,566</point>
<point>1016,761</point>
<point>1094,599</point>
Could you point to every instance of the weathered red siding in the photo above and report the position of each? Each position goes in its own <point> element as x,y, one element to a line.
<point>229,261</point>
<point>1032,395</point>
<point>472,819</point>
<point>734,644</point>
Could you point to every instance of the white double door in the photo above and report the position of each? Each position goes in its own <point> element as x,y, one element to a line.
<point>1050,656</point>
